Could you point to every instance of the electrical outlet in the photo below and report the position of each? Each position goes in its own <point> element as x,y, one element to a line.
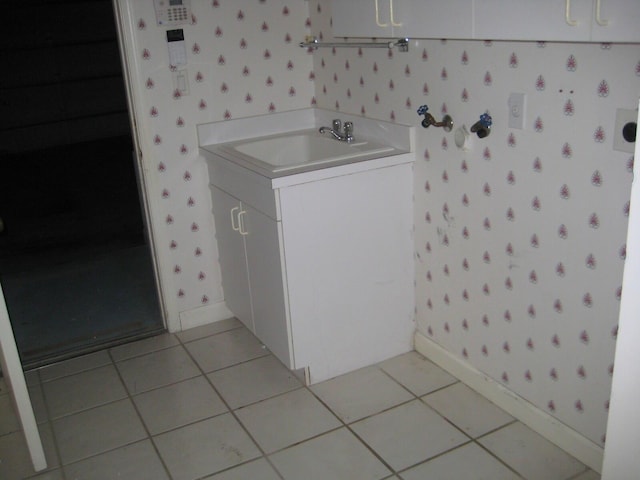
<point>517,109</point>
<point>624,117</point>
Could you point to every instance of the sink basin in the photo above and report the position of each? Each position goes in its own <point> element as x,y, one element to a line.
<point>308,148</point>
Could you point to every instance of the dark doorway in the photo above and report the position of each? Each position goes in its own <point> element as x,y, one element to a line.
<point>75,265</point>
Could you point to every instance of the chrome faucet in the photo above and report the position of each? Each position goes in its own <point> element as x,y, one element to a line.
<point>336,129</point>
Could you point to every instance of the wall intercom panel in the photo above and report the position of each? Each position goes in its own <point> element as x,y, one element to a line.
<point>172,12</point>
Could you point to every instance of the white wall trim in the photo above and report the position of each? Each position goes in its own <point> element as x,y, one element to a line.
<point>204,315</point>
<point>538,420</point>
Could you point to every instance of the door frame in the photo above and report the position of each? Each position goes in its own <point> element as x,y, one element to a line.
<point>125,26</point>
<point>14,377</point>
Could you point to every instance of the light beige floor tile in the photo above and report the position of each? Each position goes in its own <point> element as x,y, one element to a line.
<point>48,475</point>
<point>226,349</point>
<point>256,470</point>
<point>469,462</point>
<point>361,393</point>
<point>32,377</point>
<point>84,390</point>
<point>177,405</point>
<point>205,447</point>
<point>97,430</point>
<point>208,330</point>
<point>140,347</point>
<point>253,381</point>
<point>9,421</point>
<point>408,434</point>
<point>137,461</point>
<point>157,369</point>
<point>287,419</point>
<point>532,456</point>
<point>75,365</point>
<point>337,455</point>
<point>15,461</point>
<point>417,373</point>
<point>467,409</point>
<point>37,402</point>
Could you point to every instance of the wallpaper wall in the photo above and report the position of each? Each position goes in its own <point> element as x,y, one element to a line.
<point>520,241</point>
<point>243,59</point>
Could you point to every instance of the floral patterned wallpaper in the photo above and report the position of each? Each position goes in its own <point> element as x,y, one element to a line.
<point>520,241</point>
<point>243,59</point>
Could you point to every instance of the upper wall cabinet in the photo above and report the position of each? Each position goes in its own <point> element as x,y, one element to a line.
<point>616,21</point>
<point>402,18</point>
<point>548,20</point>
<point>558,20</point>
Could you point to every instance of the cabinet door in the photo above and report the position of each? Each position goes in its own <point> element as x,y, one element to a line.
<point>231,251</point>
<point>361,18</point>
<point>433,18</point>
<point>533,20</point>
<point>616,21</point>
<point>267,285</point>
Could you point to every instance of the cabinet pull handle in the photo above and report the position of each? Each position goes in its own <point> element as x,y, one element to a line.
<point>393,22</point>
<point>600,21</point>
<point>378,22</point>
<point>241,223</point>
<point>567,15</point>
<point>235,227</point>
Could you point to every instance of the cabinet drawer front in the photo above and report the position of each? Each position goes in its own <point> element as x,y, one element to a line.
<point>251,188</point>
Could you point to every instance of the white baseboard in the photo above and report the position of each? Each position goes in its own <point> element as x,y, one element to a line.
<point>197,317</point>
<point>538,420</point>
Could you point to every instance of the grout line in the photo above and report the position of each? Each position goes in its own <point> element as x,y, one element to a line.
<point>230,329</point>
<point>427,460</point>
<point>232,412</point>
<point>494,455</point>
<point>144,425</point>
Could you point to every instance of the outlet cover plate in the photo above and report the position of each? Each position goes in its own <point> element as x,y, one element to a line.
<point>517,110</point>
<point>624,116</point>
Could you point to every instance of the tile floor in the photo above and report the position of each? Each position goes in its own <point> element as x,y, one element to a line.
<point>212,403</point>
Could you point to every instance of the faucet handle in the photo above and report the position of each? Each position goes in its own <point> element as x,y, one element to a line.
<point>348,132</point>
<point>337,125</point>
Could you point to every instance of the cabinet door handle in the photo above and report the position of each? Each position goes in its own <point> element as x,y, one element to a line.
<point>567,15</point>
<point>393,21</point>
<point>600,21</point>
<point>241,223</point>
<point>234,226</point>
<point>378,22</point>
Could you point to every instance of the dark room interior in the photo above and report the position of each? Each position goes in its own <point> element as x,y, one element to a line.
<point>75,265</point>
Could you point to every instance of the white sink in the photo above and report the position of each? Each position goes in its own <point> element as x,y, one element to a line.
<point>279,153</point>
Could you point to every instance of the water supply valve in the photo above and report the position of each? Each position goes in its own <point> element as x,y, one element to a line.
<point>482,127</point>
<point>446,123</point>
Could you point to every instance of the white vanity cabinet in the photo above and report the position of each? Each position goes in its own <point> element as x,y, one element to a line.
<point>402,18</point>
<point>558,20</point>
<point>249,245</point>
<point>319,265</point>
